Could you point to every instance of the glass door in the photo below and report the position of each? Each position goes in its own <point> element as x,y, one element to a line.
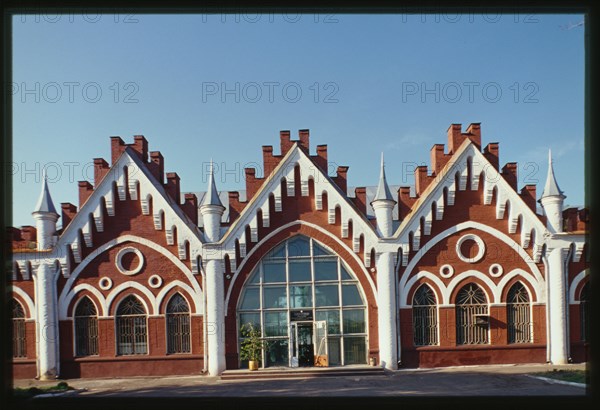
<point>293,353</point>
<point>321,358</point>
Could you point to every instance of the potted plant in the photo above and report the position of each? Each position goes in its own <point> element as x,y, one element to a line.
<point>252,345</point>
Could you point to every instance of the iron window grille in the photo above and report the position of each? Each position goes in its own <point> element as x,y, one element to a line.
<point>19,339</point>
<point>518,314</point>
<point>471,302</point>
<point>425,317</point>
<point>86,328</point>
<point>178,325</point>
<point>131,327</point>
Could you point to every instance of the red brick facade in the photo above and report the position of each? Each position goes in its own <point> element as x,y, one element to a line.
<point>171,244</point>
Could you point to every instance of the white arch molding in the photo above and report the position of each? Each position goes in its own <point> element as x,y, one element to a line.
<point>446,291</point>
<point>28,301</point>
<point>574,284</point>
<point>281,228</point>
<point>538,281</point>
<point>177,283</point>
<point>67,292</point>
<point>128,285</point>
<point>63,310</point>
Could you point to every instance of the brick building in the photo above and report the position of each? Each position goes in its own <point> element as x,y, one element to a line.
<point>142,280</point>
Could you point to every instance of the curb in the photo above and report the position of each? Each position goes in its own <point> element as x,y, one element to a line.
<point>65,393</point>
<point>555,381</point>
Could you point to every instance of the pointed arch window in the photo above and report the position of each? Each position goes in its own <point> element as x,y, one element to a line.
<point>518,314</point>
<point>585,312</point>
<point>132,337</point>
<point>425,317</point>
<point>178,325</point>
<point>472,320</point>
<point>86,328</point>
<point>19,338</point>
<point>301,274</point>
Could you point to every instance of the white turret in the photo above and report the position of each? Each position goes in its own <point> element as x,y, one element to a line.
<point>552,200</point>
<point>212,210</point>
<point>383,205</point>
<point>45,216</point>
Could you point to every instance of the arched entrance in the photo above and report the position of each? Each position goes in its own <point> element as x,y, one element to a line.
<point>309,306</point>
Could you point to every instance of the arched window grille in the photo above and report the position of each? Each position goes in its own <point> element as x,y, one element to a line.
<point>424,317</point>
<point>86,328</point>
<point>178,325</point>
<point>518,314</point>
<point>19,339</point>
<point>472,319</point>
<point>131,327</point>
<point>584,310</point>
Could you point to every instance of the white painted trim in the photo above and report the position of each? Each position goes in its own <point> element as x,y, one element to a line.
<point>281,228</point>
<point>480,245</point>
<point>64,299</point>
<point>404,303</point>
<point>133,285</point>
<point>574,283</point>
<point>155,281</point>
<point>450,271</point>
<point>63,309</point>
<point>108,284</point>
<point>499,268</point>
<point>475,225</point>
<point>26,298</point>
<point>119,263</point>
<point>198,308</point>
<point>322,183</point>
<point>445,179</point>
<point>493,298</point>
<point>528,281</point>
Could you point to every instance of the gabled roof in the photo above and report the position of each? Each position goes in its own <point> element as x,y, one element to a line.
<point>272,183</point>
<point>445,178</point>
<point>45,203</point>
<point>156,190</point>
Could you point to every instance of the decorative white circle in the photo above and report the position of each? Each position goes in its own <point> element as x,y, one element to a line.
<point>446,271</point>
<point>105,283</point>
<point>119,262</point>
<point>155,281</point>
<point>496,270</point>
<point>479,243</point>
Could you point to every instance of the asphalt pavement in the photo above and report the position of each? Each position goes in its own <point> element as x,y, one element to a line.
<point>467,381</point>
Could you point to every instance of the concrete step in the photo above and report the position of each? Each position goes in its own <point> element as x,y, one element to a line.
<point>301,373</point>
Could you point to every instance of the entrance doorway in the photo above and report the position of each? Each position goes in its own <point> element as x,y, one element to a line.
<point>308,345</point>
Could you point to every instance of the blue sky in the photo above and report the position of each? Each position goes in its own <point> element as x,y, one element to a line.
<point>220,86</point>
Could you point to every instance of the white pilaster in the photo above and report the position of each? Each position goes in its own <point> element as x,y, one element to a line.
<point>215,317</point>
<point>557,300</point>
<point>46,303</point>
<point>386,308</point>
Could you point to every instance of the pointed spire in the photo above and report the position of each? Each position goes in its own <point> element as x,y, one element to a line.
<point>212,195</point>
<point>383,190</point>
<point>551,188</point>
<point>45,203</point>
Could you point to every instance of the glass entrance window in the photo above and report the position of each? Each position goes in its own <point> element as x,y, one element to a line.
<point>302,274</point>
